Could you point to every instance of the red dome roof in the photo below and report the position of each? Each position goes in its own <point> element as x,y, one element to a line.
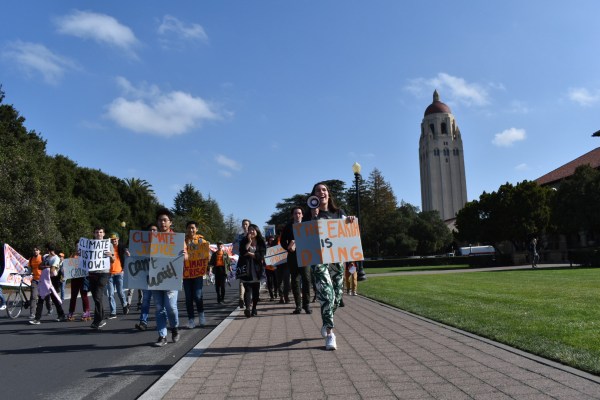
<point>437,106</point>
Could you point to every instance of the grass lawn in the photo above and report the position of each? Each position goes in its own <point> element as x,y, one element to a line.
<point>552,313</point>
<point>375,271</point>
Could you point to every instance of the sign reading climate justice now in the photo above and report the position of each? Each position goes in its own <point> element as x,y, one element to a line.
<point>91,255</point>
<point>327,241</point>
<point>276,255</point>
<point>155,261</point>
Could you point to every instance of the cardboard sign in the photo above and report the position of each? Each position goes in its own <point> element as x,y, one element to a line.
<point>155,261</point>
<point>198,257</point>
<point>276,255</point>
<point>327,241</point>
<point>269,230</point>
<point>91,255</point>
<point>72,269</point>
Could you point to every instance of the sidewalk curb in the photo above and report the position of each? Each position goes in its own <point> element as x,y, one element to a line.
<point>161,387</point>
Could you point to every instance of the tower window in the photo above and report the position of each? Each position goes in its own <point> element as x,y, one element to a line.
<point>432,128</point>
<point>444,131</point>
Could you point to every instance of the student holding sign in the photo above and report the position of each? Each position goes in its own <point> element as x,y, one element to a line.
<point>166,300</point>
<point>99,273</point>
<point>194,270</point>
<point>329,278</point>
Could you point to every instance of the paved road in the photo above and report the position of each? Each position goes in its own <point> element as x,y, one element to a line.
<point>68,360</point>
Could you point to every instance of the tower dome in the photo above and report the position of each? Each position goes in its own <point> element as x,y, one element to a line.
<point>437,106</point>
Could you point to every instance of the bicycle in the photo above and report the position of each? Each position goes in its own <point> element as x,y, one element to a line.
<point>17,299</point>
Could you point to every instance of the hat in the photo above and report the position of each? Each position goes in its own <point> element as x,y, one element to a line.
<point>114,235</point>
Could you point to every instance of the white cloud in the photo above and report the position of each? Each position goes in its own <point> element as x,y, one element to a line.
<point>518,107</point>
<point>227,162</point>
<point>583,96</point>
<point>148,110</point>
<point>226,174</point>
<point>35,58</point>
<point>507,137</point>
<point>99,27</point>
<point>450,87</point>
<point>172,26</point>
<point>522,167</point>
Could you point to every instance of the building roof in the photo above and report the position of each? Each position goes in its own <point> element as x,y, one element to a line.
<point>437,106</point>
<point>592,158</point>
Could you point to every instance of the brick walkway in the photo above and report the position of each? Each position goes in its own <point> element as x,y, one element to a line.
<point>383,353</point>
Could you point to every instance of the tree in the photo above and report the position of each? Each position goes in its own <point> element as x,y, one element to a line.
<point>575,204</point>
<point>513,213</point>
<point>142,201</point>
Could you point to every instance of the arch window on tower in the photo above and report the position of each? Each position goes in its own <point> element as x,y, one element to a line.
<point>446,152</point>
<point>444,130</point>
<point>432,128</point>
<point>436,152</point>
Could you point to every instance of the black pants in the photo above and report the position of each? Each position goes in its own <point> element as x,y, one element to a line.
<point>98,282</point>
<point>251,294</point>
<point>220,276</point>
<point>283,280</point>
<point>301,285</point>
<point>40,306</point>
<point>35,299</point>
<point>272,283</point>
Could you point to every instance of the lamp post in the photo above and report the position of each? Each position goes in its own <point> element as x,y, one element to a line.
<point>123,226</point>
<point>361,276</point>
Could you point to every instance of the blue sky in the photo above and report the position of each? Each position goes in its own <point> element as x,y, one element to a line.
<point>255,101</point>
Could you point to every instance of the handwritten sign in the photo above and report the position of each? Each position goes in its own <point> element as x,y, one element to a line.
<point>198,257</point>
<point>156,261</point>
<point>327,241</point>
<point>91,255</point>
<point>269,230</point>
<point>276,255</point>
<point>72,269</point>
<point>13,263</point>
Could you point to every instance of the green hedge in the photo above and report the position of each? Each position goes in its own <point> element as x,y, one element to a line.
<point>473,262</point>
<point>589,257</point>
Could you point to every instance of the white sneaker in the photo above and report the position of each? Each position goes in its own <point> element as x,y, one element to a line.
<point>202,319</point>
<point>191,323</point>
<point>330,343</point>
<point>3,307</point>
<point>354,293</point>
<point>324,331</point>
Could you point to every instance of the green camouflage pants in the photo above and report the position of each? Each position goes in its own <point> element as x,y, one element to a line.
<point>329,280</point>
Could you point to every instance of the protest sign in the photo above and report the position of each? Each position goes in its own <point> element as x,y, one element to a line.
<point>198,257</point>
<point>155,261</point>
<point>72,269</point>
<point>327,241</point>
<point>269,230</point>
<point>13,263</point>
<point>276,255</point>
<point>91,255</point>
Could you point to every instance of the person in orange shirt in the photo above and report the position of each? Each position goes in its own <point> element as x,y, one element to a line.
<point>115,282</point>
<point>221,265</point>
<point>271,272</point>
<point>34,265</point>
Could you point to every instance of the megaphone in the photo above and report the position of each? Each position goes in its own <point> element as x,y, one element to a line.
<point>313,202</point>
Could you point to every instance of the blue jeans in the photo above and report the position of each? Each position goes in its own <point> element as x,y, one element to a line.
<point>145,309</point>
<point>193,294</point>
<point>115,282</point>
<point>166,307</point>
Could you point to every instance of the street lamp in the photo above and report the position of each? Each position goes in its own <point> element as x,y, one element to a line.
<point>361,276</point>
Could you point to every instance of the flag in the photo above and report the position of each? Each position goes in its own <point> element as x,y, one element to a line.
<point>13,263</point>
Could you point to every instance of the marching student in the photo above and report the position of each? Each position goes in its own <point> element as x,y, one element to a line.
<point>46,291</point>
<point>328,277</point>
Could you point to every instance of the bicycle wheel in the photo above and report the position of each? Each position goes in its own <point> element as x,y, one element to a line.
<point>14,304</point>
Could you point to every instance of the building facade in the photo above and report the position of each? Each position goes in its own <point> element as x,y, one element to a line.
<point>441,161</point>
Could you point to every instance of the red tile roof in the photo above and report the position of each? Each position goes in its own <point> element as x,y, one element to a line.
<point>592,158</point>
